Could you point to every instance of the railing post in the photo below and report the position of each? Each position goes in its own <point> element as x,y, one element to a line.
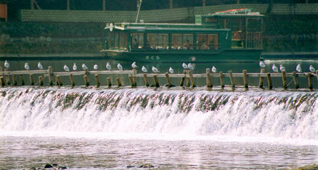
<point>245,79</point>
<point>109,82</point>
<point>72,80</point>
<point>192,79</point>
<point>156,81</point>
<point>222,80</point>
<point>168,80</point>
<point>284,79</point>
<point>50,70</point>
<point>269,81</point>
<point>146,80</point>
<point>261,79</point>
<point>22,80</point>
<point>97,81</point>
<point>208,79</point>
<point>295,78</point>
<point>309,77</point>
<point>231,79</point>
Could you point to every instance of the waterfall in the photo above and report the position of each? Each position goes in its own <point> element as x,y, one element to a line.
<point>288,115</point>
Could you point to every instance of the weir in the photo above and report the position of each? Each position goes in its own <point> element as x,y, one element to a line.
<point>186,79</point>
<point>289,115</point>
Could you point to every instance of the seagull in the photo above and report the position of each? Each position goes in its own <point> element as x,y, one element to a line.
<point>40,66</point>
<point>95,67</point>
<point>184,65</point>
<point>108,66</point>
<point>274,68</point>
<point>133,65</point>
<point>119,67</point>
<point>26,66</point>
<point>84,66</point>
<point>190,66</point>
<point>298,68</point>
<point>282,68</point>
<point>262,64</point>
<point>6,64</point>
<point>154,69</point>
<point>312,68</point>
<point>74,67</point>
<point>171,71</point>
<point>66,68</point>
<point>213,69</point>
<point>144,69</point>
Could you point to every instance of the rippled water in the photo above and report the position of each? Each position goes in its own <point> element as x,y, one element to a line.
<point>81,153</point>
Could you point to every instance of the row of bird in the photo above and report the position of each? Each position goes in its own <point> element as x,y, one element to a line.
<point>26,65</point>
<point>282,68</point>
<point>188,66</point>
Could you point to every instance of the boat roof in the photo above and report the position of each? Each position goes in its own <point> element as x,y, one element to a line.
<point>236,13</point>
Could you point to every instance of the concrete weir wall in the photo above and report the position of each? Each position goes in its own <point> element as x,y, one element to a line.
<point>162,15</point>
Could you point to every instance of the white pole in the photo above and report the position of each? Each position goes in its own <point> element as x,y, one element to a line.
<point>138,6</point>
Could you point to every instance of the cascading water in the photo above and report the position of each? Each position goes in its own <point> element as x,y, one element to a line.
<point>287,115</point>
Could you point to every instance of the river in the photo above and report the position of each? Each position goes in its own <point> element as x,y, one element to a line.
<point>89,128</point>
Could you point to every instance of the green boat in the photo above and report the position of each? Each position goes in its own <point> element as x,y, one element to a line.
<point>227,36</point>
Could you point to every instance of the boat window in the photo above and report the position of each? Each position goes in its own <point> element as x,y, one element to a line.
<point>157,41</point>
<point>207,42</point>
<point>182,42</point>
<point>137,40</point>
<point>123,40</point>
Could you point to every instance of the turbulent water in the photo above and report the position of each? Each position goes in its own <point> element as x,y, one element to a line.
<point>289,115</point>
<point>171,129</point>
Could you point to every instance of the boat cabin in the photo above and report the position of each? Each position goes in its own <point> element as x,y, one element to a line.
<point>210,34</point>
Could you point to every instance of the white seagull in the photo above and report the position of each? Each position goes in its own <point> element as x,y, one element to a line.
<point>144,69</point>
<point>133,65</point>
<point>154,69</point>
<point>120,67</point>
<point>95,67</point>
<point>6,64</point>
<point>262,64</point>
<point>66,68</point>
<point>84,67</point>
<point>282,68</point>
<point>108,66</point>
<point>74,67</point>
<point>312,68</point>
<point>184,65</point>
<point>298,68</point>
<point>26,66</point>
<point>190,66</point>
<point>40,66</point>
<point>171,71</point>
<point>213,69</point>
<point>274,68</point>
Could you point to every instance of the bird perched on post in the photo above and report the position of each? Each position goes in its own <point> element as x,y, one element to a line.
<point>282,68</point>
<point>274,68</point>
<point>120,67</point>
<point>74,67</point>
<point>6,64</point>
<point>298,68</point>
<point>40,66</point>
<point>262,64</point>
<point>108,66</point>
<point>26,66</point>
<point>185,66</point>
<point>95,67</point>
<point>144,69</point>
<point>84,67</point>
<point>66,68</point>
<point>154,69</point>
<point>190,66</point>
<point>213,69</point>
<point>312,68</point>
<point>171,71</point>
<point>133,65</point>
